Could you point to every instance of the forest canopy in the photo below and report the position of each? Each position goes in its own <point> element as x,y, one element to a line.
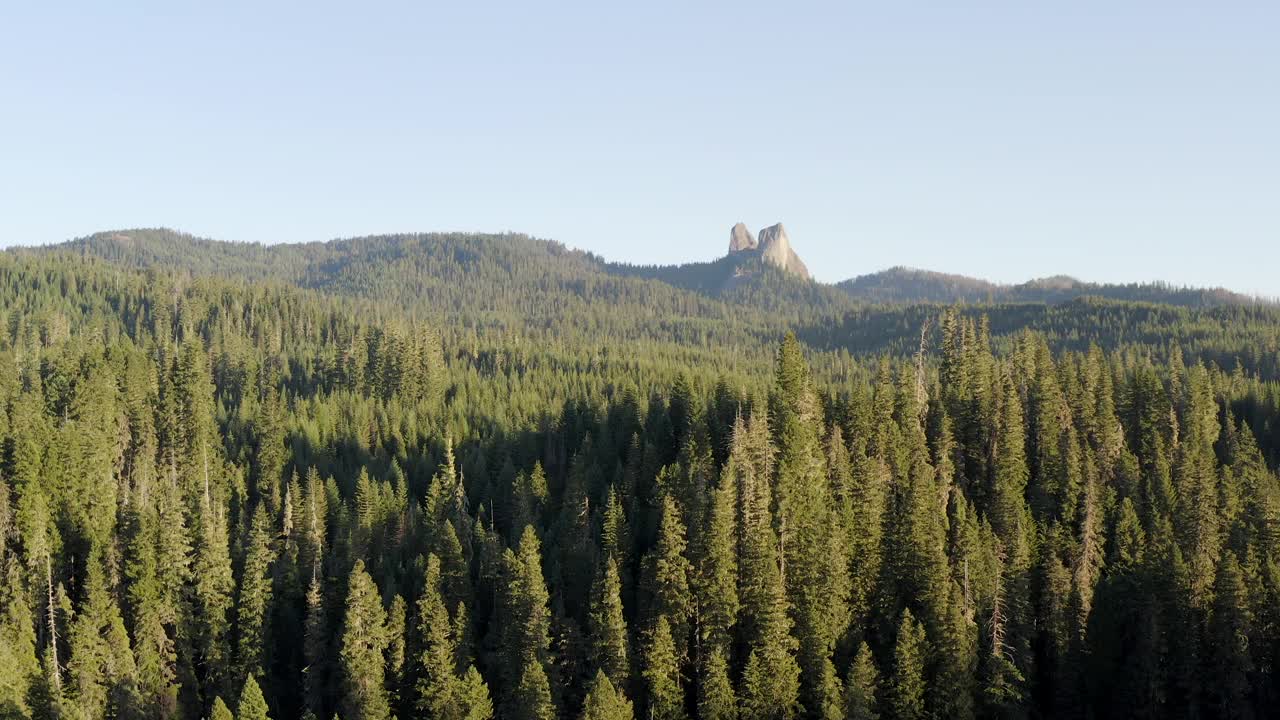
<point>234,496</point>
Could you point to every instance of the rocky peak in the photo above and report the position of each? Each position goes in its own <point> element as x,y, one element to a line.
<point>774,244</point>
<point>775,249</point>
<point>741,239</point>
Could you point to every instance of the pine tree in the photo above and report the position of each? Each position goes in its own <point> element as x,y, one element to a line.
<point>396,632</point>
<point>666,575</point>
<point>363,644</point>
<point>1229,631</point>
<point>809,531</point>
<point>255,595</point>
<point>771,678</point>
<point>101,670</point>
<point>716,700</point>
<point>608,627</point>
<point>867,500</point>
<point>529,498</point>
<point>604,702</point>
<point>19,664</point>
<point>1003,690</point>
<point>472,701</point>
<point>1195,483</point>
<point>525,624</point>
<point>436,686</point>
<point>155,607</point>
<point>953,661</point>
<point>220,710</point>
<point>315,645</point>
<point>531,699</point>
<point>716,587</point>
<point>862,686</point>
<point>615,531</point>
<point>905,692</point>
<point>252,705</point>
<point>271,454</point>
<point>662,674</point>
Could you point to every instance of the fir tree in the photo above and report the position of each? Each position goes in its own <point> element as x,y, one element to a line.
<point>255,595</point>
<point>531,699</point>
<point>716,588</point>
<point>315,650</point>
<point>662,674</point>
<point>220,710</point>
<point>862,687</point>
<point>604,702</point>
<point>437,684</point>
<point>716,700</point>
<point>252,705</point>
<point>361,656</point>
<point>905,692</point>
<point>101,670</point>
<point>19,664</point>
<point>1229,631</point>
<point>472,701</point>
<point>608,627</point>
<point>666,575</point>
<point>526,624</point>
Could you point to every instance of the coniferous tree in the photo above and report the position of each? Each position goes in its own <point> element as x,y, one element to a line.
<point>361,655</point>
<point>315,645</point>
<point>437,685</point>
<point>220,710</point>
<point>472,699</point>
<point>19,664</point>
<point>101,669</point>
<point>1083,523</point>
<point>666,575</point>
<point>605,702</point>
<point>531,698</point>
<point>862,687</point>
<point>662,674</point>
<point>771,677</point>
<point>716,575</point>
<point>905,692</point>
<point>526,623</point>
<point>813,561</point>
<point>1229,632</point>
<point>252,705</point>
<point>716,700</point>
<point>608,627</point>
<point>396,632</point>
<point>254,600</point>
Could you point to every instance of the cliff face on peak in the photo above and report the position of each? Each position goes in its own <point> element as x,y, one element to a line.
<point>741,239</point>
<point>775,249</point>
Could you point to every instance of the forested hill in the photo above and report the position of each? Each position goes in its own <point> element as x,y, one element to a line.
<point>909,285</point>
<point>349,265</point>
<point>252,483</point>
<point>516,286</point>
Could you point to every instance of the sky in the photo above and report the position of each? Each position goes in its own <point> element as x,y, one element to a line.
<point>1112,141</point>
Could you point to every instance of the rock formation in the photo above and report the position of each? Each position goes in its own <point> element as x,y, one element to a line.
<point>775,249</point>
<point>740,239</point>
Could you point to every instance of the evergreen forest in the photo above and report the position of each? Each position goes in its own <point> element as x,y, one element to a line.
<point>472,477</point>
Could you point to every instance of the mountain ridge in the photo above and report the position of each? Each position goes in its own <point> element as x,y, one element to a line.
<point>750,260</point>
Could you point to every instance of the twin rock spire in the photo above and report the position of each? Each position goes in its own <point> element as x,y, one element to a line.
<point>773,246</point>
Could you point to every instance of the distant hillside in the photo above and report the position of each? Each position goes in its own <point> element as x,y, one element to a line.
<point>513,285</point>
<point>902,285</point>
<point>500,282</point>
<point>412,266</point>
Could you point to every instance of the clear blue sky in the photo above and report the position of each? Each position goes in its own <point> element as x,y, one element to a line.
<point>1108,140</point>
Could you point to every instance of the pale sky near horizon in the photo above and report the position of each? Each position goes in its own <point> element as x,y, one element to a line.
<point>1113,141</point>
